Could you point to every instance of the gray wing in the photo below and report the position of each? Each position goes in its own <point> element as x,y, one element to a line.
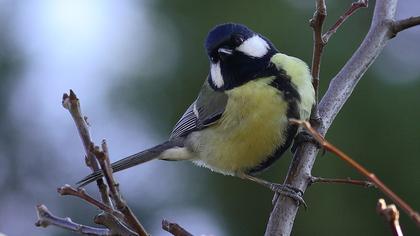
<point>203,112</point>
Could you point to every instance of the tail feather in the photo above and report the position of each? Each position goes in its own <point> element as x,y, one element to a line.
<point>133,160</point>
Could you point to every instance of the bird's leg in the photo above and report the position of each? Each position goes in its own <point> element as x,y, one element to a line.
<point>283,189</point>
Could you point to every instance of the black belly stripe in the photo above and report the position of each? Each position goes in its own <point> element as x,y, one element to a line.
<point>283,83</point>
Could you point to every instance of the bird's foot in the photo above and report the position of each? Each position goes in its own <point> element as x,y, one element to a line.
<point>304,137</point>
<point>289,191</point>
<point>279,189</point>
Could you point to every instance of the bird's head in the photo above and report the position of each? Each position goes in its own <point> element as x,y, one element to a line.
<point>237,55</point>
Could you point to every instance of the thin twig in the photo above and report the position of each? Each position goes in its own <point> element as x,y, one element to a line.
<point>401,25</point>
<point>81,193</point>
<point>46,218</point>
<point>174,228</point>
<point>415,216</point>
<point>112,223</point>
<point>103,158</point>
<point>317,23</point>
<point>391,215</point>
<point>352,9</point>
<point>72,104</point>
<point>362,183</point>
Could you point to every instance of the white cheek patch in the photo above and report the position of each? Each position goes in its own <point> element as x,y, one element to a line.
<point>216,75</point>
<point>254,47</point>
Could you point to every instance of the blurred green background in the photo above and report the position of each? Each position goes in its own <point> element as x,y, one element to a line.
<point>134,95</point>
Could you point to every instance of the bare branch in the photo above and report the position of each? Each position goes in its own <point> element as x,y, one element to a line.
<point>341,86</point>
<point>415,216</point>
<point>352,9</point>
<point>362,183</point>
<point>391,215</point>
<point>174,228</point>
<point>46,218</point>
<point>117,222</point>
<point>72,104</point>
<point>81,193</point>
<point>320,40</point>
<point>103,158</point>
<point>401,25</point>
<point>316,23</point>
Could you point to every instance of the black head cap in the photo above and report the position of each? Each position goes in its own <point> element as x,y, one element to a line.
<point>222,33</point>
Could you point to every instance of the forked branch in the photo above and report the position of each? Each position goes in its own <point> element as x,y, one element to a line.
<point>104,162</point>
<point>320,39</point>
<point>352,9</point>
<point>340,88</point>
<point>72,104</point>
<point>118,221</point>
<point>46,218</point>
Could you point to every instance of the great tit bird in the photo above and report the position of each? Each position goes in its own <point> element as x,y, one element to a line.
<point>238,125</point>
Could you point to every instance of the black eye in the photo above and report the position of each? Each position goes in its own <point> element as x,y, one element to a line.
<point>237,39</point>
<point>213,58</point>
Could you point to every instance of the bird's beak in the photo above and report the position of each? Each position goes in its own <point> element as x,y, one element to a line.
<point>225,51</point>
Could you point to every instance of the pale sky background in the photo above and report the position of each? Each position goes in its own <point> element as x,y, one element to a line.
<point>76,44</point>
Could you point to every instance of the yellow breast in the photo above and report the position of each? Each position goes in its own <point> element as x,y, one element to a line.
<point>250,129</point>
